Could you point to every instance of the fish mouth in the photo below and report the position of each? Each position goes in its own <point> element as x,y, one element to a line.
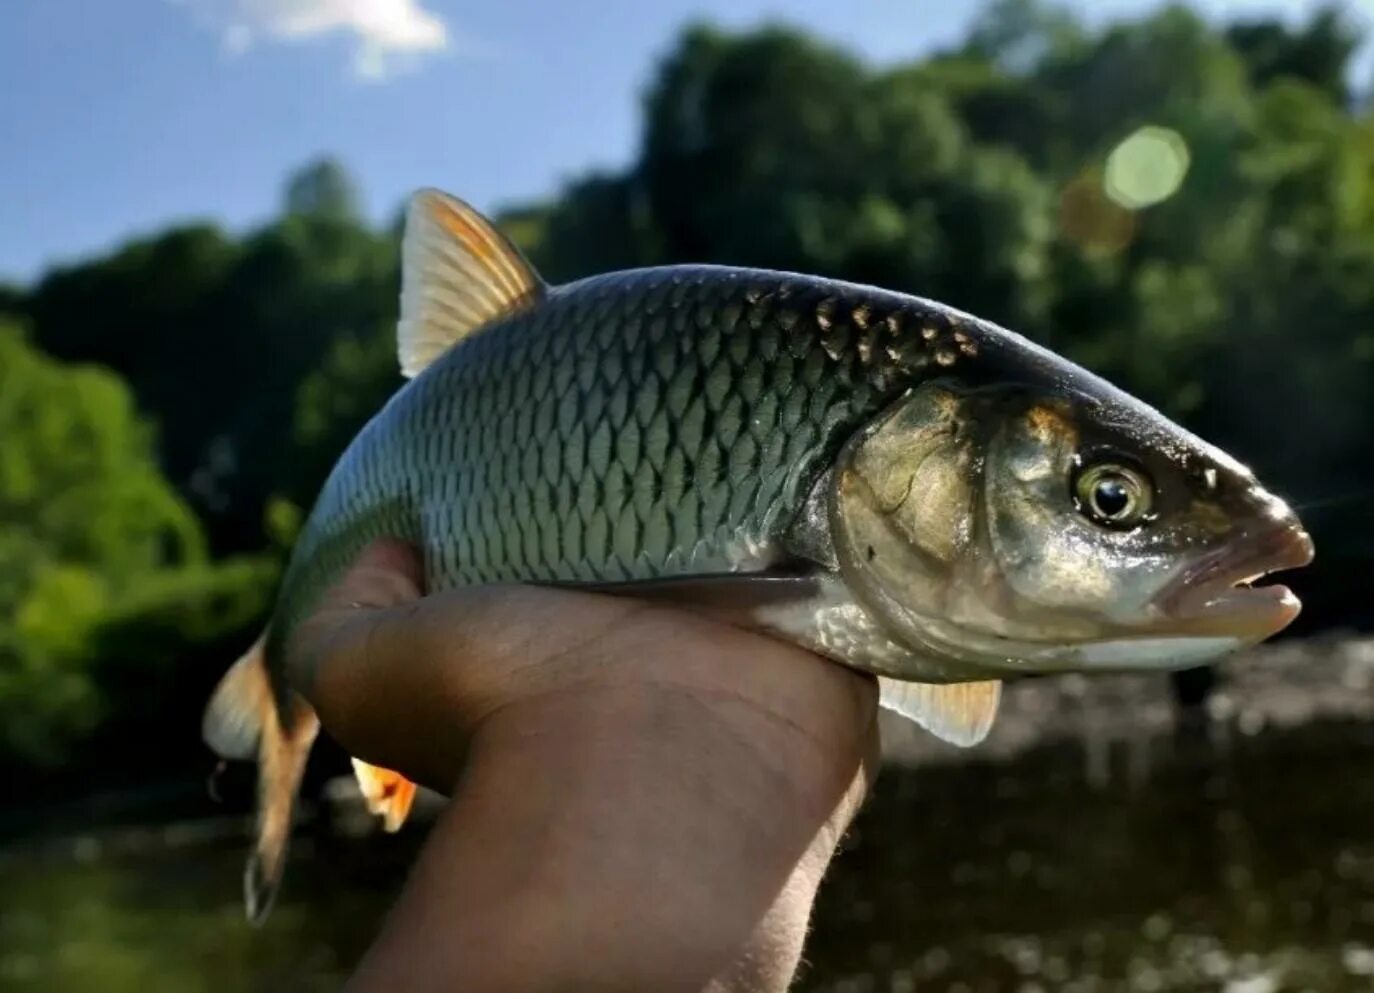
<point>1219,595</point>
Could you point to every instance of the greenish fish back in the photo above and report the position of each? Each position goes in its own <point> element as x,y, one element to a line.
<point>637,425</point>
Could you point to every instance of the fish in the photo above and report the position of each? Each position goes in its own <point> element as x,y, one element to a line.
<point>892,483</point>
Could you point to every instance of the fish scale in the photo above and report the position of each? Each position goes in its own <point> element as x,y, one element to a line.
<point>703,442</point>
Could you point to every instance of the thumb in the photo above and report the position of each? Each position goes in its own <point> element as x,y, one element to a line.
<point>401,679</point>
<point>386,574</point>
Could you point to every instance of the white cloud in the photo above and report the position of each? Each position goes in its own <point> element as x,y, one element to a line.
<point>389,33</point>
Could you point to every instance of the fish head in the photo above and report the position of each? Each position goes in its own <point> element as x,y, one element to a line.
<point>1045,528</point>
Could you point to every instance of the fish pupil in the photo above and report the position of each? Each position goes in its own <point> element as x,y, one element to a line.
<point>1112,497</point>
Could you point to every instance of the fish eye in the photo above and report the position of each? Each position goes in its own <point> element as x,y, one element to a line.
<point>1114,495</point>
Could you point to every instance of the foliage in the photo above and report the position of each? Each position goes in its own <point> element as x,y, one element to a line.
<point>91,537</point>
<point>1318,53</point>
<point>215,337</point>
<point>1242,303</point>
<point>334,402</point>
<point>11,300</point>
<point>322,189</point>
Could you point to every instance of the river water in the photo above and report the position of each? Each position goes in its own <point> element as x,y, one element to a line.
<point>1167,863</point>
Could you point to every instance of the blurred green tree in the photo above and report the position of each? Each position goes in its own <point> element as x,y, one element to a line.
<point>12,300</point>
<point>1019,35</point>
<point>91,537</point>
<point>1318,53</point>
<point>215,337</point>
<point>1242,301</point>
<point>321,189</point>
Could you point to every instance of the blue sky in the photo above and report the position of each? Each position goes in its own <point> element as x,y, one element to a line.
<point>120,116</point>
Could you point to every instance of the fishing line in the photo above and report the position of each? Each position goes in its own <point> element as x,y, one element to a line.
<point>212,782</point>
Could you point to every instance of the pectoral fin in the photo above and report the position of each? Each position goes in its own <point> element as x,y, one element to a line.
<point>960,713</point>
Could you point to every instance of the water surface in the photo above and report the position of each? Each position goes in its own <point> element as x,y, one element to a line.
<point>1248,869</point>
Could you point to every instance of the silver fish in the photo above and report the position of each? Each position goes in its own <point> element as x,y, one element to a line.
<point>892,483</point>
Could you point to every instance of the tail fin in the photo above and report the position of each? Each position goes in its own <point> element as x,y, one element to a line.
<point>388,794</point>
<point>243,716</point>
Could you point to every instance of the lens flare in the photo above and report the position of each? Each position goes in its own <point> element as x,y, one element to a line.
<point>1147,168</point>
<point>1092,220</point>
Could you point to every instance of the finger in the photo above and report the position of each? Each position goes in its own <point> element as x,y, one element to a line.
<point>402,681</point>
<point>405,686</point>
<point>387,573</point>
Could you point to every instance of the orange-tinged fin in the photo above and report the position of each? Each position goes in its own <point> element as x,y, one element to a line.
<point>388,794</point>
<point>960,713</point>
<point>458,274</point>
<point>243,718</point>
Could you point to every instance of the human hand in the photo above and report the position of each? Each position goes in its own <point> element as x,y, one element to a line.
<point>642,799</point>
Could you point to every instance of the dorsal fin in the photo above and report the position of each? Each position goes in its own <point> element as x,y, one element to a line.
<point>458,274</point>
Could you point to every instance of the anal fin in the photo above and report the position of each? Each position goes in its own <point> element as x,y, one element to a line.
<point>960,713</point>
<point>388,794</point>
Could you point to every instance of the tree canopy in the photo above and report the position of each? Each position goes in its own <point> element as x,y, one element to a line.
<point>91,537</point>
<point>1183,206</point>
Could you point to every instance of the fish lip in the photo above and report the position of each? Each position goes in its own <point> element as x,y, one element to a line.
<point>1212,596</point>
